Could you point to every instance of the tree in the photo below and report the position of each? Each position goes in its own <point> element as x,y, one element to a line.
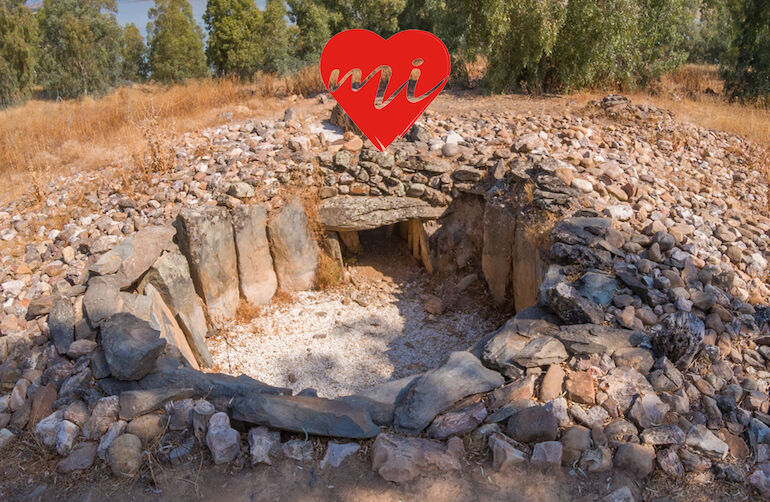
<point>175,42</point>
<point>276,38</point>
<point>133,50</point>
<point>18,40</point>
<point>379,16</point>
<point>233,37</point>
<point>80,51</point>
<point>747,69</point>
<point>312,22</point>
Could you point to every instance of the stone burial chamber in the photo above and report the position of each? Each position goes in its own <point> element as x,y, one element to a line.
<point>631,340</point>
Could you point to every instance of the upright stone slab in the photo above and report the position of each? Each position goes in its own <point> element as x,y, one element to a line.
<point>528,270</point>
<point>170,276</point>
<point>206,238</point>
<point>255,265</point>
<point>499,226</point>
<point>163,320</point>
<point>294,248</point>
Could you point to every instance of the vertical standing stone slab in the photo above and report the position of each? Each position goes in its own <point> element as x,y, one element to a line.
<point>528,269</point>
<point>255,265</point>
<point>206,238</point>
<point>499,227</point>
<point>294,248</point>
<point>170,276</point>
<point>163,320</point>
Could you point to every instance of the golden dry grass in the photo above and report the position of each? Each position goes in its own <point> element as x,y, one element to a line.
<point>41,139</point>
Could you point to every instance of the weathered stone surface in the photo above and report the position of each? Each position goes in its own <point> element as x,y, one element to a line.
<point>571,307</point>
<point>206,237</point>
<point>401,459</point>
<point>547,454</point>
<point>552,383</point>
<point>139,402</point>
<point>170,276</point>
<point>624,384</point>
<point>704,441</point>
<point>81,458</point>
<point>459,422</point>
<point>311,415</point>
<point>637,459</point>
<point>336,453</point>
<point>42,404</point>
<point>101,299</point>
<point>533,424</point>
<point>104,413</point>
<point>261,442</point>
<point>298,449</point>
<point>258,281</point>
<point>223,441</point>
<point>541,351</point>
<point>663,435</point>
<point>61,324</point>
<point>380,400</point>
<point>162,319</point>
<point>148,428</point>
<point>347,213</point>
<point>46,429</point>
<point>294,248</point>
<point>138,252</point>
<point>131,346</point>
<point>438,389</point>
<point>125,455</point>
<point>528,267</point>
<point>115,430</point>
<point>504,453</point>
<point>496,259</point>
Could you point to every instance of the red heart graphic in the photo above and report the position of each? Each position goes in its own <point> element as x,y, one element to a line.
<point>352,66</point>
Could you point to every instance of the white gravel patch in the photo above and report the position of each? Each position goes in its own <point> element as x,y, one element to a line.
<point>338,346</point>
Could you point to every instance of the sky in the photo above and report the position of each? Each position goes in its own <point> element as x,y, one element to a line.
<point>135,11</point>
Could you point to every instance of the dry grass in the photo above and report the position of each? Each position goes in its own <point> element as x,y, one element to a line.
<point>48,138</point>
<point>246,312</point>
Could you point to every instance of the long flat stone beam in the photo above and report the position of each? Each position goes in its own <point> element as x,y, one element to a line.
<point>353,213</point>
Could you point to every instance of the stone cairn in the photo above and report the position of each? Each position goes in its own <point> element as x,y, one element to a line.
<point>632,248</point>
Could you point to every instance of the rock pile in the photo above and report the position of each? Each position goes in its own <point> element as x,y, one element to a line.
<point>632,248</point>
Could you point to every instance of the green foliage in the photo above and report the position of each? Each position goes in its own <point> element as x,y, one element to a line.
<point>18,55</point>
<point>234,45</point>
<point>379,16</point>
<point>175,42</point>
<point>714,30</point>
<point>312,29</point>
<point>133,50</point>
<point>747,67</point>
<point>80,47</point>
<point>276,38</point>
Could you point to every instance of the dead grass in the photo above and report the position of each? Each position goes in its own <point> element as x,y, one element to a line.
<point>48,138</point>
<point>246,312</point>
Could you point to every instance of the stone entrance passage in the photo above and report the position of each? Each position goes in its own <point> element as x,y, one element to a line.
<point>391,321</point>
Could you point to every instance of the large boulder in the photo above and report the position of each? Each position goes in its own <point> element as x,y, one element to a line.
<point>131,346</point>
<point>351,213</point>
<point>255,265</point>
<point>311,415</point>
<point>206,238</point>
<point>102,299</point>
<point>294,248</point>
<point>438,389</point>
<point>170,276</point>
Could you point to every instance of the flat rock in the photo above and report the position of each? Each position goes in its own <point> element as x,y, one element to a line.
<point>533,424</point>
<point>380,400</point>
<point>223,441</point>
<point>571,307</point>
<point>261,442</point>
<point>504,452</point>
<point>703,440</point>
<point>139,251</point>
<point>348,213</point>
<point>438,389</point>
<point>306,414</point>
<point>459,422</point>
<point>101,299</point>
<point>401,459</point>
<point>624,384</point>
<point>336,453</point>
<point>637,459</point>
